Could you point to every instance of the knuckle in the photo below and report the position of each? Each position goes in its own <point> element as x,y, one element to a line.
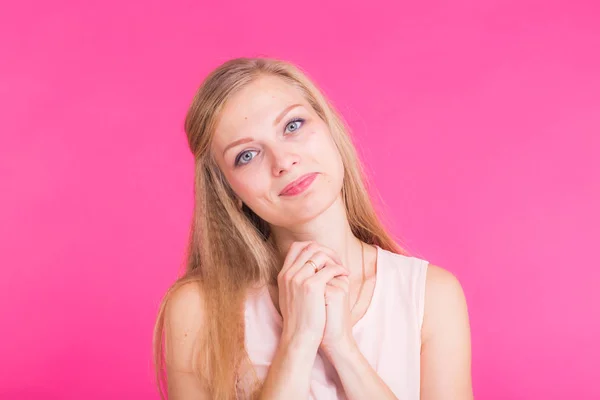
<point>319,253</point>
<point>312,246</point>
<point>308,287</point>
<point>296,281</point>
<point>286,277</point>
<point>281,276</point>
<point>297,245</point>
<point>305,250</point>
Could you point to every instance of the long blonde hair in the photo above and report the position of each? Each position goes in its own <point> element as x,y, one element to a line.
<point>223,237</point>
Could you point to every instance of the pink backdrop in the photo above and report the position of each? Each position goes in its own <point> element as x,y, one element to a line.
<point>478,122</point>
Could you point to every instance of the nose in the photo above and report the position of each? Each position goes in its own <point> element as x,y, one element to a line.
<point>283,160</point>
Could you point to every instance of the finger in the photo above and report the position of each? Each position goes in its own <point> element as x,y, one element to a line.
<point>333,293</point>
<point>338,282</point>
<point>313,247</point>
<point>303,256</point>
<point>331,253</point>
<point>295,249</point>
<point>320,259</point>
<point>313,253</point>
<point>345,279</point>
<point>327,273</point>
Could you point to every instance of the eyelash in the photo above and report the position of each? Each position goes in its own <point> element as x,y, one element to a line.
<point>291,121</point>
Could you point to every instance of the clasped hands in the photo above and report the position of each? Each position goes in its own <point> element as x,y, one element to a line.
<point>314,298</point>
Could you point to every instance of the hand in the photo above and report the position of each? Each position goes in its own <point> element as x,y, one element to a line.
<point>338,325</point>
<point>302,291</point>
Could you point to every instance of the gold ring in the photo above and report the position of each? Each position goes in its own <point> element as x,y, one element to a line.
<point>314,265</point>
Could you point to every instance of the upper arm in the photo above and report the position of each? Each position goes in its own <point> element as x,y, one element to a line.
<point>183,324</point>
<point>446,340</point>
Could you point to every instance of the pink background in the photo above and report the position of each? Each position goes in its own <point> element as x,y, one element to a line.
<point>478,122</point>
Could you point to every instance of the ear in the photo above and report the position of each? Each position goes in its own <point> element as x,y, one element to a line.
<point>239,203</point>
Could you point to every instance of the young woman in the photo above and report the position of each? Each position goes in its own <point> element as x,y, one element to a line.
<point>293,288</point>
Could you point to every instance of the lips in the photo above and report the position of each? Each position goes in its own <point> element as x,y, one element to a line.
<point>298,184</point>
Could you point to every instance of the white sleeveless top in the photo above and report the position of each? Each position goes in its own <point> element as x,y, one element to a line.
<point>388,334</point>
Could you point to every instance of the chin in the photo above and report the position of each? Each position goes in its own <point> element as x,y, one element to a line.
<point>309,209</point>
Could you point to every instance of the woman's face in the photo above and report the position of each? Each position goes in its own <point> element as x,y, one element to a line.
<point>268,137</point>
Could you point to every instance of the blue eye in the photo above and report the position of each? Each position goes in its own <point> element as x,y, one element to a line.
<point>246,156</point>
<point>294,125</point>
<point>243,158</point>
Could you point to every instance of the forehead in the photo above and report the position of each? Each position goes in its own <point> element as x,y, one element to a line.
<point>255,106</point>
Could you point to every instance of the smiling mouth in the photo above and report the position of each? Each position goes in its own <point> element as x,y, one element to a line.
<point>299,185</point>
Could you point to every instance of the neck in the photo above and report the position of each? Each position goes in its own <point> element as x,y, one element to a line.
<point>330,229</point>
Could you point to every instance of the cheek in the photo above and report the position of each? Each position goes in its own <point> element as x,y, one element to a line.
<point>324,147</point>
<point>334,160</point>
<point>249,185</point>
<point>319,141</point>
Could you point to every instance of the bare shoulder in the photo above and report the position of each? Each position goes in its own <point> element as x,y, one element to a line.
<point>444,300</point>
<point>185,301</point>
<point>446,341</point>
<point>184,314</point>
<point>441,283</point>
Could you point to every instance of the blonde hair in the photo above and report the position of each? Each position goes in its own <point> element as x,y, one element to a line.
<point>223,237</point>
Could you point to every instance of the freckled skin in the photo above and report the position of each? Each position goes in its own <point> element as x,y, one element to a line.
<point>277,154</point>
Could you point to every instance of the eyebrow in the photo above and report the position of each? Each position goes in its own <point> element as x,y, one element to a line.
<point>277,121</point>
<point>285,111</point>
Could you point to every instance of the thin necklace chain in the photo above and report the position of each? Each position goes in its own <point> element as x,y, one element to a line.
<point>362,284</point>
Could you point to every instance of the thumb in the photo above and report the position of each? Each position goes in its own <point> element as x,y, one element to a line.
<point>333,292</point>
